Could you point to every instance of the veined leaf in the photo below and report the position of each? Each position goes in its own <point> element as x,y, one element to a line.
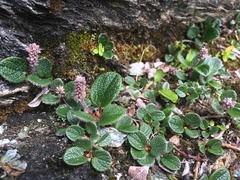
<point>169,94</point>
<point>106,88</point>
<point>102,160</point>
<point>137,140</point>
<point>111,114</point>
<point>74,156</point>
<point>13,69</point>
<point>171,162</point>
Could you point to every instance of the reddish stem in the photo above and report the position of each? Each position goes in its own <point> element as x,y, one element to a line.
<point>189,156</point>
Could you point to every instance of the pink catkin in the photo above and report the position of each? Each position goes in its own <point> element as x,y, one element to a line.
<point>33,51</point>
<point>79,88</point>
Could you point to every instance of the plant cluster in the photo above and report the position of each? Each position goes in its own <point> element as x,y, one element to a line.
<point>156,104</point>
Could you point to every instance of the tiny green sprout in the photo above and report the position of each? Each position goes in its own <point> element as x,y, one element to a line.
<point>105,47</point>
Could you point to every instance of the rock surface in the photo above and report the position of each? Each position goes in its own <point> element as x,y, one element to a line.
<point>27,21</point>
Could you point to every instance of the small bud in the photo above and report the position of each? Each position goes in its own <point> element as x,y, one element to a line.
<point>79,88</point>
<point>228,103</point>
<point>202,53</point>
<point>60,91</point>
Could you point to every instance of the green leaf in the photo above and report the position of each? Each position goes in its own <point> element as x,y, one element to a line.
<point>192,31</point>
<point>55,83</point>
<point>44,68</point>
<point>171,162</point>
<point>168,57</point>
<point>203,69</point>
<point>216,106</point>
<point>74,156</point>
<point>148,161</point>
<point>215,146</point>
<point>100,49</point>
<point>108,46</point>
<point>193,94</point>
<point>85,144</point>
<point>13,69</point>
<point>145,129</point>
<point>91,128</point>
<point>72,119</point>
<point>192,119</point>
<point>234,112</point>
<point>62,110</point>
<point>104,140</point>
<point>210,34</point>
<point>169,94</point>
<point>229,94</point>
<point>156,115</point>
<point>176,124</point>
<point>105,88</point>
<point>141,112</point>
<point>158,145</point>
<point>181,75</point>
<point>214,63</point>
<point>182,60</point>
<point>102,38</point>
<point>220,174</point>
<point>61,132</point>
<point>158,75</point>
<point>111,114</point>
<point>102,160</point>
<point>69,88</point>
<point>136,154</point>
<point>192,133</point>
<point>129,80</point>
<point>205,134</point>
<point>137,140</point>
<point>213,130</point>
<point>215,84</point>
<point>124,124</point>
<point>50,99</point>
<point>83,116</point>
<point>37,81</point>
<point>95,51</point>
<point>181,91</point>
<point>107,54</point>
<point>74,132</point>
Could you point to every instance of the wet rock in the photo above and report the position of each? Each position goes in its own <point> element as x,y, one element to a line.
<point>26,21</point>
<point>9,93</point>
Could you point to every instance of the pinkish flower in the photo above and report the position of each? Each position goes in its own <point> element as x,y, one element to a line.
<point>60,91</point>
<point>79,88</point>
<point>228,103</point>
<point>33,51</point>
<point>203,53</point>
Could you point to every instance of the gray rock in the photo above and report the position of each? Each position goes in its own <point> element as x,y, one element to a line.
<point>27,21</point>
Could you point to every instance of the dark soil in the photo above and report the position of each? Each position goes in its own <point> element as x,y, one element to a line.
<point>42,149</point>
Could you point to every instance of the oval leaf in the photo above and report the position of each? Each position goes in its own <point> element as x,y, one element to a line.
<point>13,69</point>
<point>50,99</point>
<point>137,140</point>
<point>192,119</point>
<point>158,145</point>
<point>111,114</point>
<point>220,174</point>
<point>105,88</point>
<point>176,124</point>
<point>169,94</point>
<point>102,160</point>
<point>171,162</point>
<point>136,154</point>
<point>74,132</point>
<point>203,69</point>
<point>74,156</point>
